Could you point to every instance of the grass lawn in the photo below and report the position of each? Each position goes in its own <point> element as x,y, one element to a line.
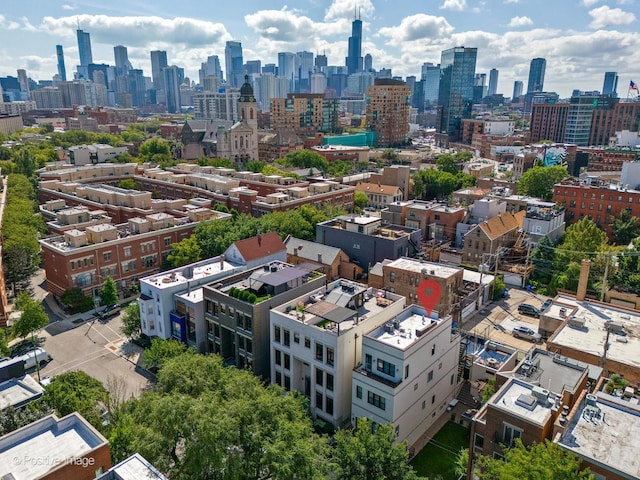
<point>439,455</point>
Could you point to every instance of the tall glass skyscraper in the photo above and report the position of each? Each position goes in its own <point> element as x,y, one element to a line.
<point>493,81</point>
<point>536,75</point>
<point>517,90</point>
<point>62,71</point>
<point>122,59</point>
<point>610,86</point>
<point>354,57</point>
<point>234,63</point>
<point>84,48</point>
<point>158,62</point>
<point>455,92</point>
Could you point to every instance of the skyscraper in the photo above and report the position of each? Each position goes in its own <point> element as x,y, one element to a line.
<point>287,67</point>
<point>517,90</point>
<point>493,81</point>
<point>388,111</point>
<point>536,75</point>
<point>84,48</point>
<point>62,71</point>
<point>610,86</point>
<point>304,68</point>
<point>368,63</point>
<point>354,57</point>
<point>320,62</point>
<point>122,59</point>
<point>158,62</point>
<point>23,80</point>
<point>431,77</point>
<point>234,63</point>
<point>455,92</point>
<point>171,82</point>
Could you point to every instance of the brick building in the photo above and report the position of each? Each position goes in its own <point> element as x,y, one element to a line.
<point>490,236</point>
<point>126,252</point>
<point>597,202</point>
<point>305,114</point>
<point>388,111</point>
<point>602,159</point>
<point>331,261</point>
<point>618,116</point>
<point>548,122</point>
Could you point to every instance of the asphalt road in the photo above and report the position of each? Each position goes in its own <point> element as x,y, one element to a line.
<point>98,349</point>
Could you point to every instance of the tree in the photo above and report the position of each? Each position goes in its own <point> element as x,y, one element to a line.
<point>5,351</point>
<point>363,454</point>
<point>538,461</point>
<point>447,163</point>
<point>77,391</point>
<point>206,421</point>
<point>539,181</point>
<point>131,327</point>
<point>542,260</point>
<point>32,319</point>
<point>25,161</point>
<point>583,239</point>
<point>12,419</point>
<point>360,199</point>
<point>184,252</point>
<point>462,462</point>
<point>128,184</point>
<point>109,292</point>
<point>155,150</point>
<point>625,227</point>
<point>162,350</point>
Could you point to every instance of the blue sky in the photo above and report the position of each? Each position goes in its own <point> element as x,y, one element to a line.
<point>581,39</point>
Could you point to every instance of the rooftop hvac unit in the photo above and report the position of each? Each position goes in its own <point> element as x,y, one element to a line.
<point>576,322</point>
<point>540,393</point>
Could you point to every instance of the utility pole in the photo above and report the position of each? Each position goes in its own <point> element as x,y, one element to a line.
<point>606,274</point>
<point>480,289</point>
<point>526,266</point>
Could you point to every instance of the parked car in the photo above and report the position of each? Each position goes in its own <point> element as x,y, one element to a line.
<point>527,309</point>
<point>109,311</point>
<point>526,333</point>
<point>547,303</point>
<point>38,355</point>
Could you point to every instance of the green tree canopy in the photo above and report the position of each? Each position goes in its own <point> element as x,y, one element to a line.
<point>77,391</point>
<point>131,327</point>
<point>162,350</point>
<point>128,184</point>
<point>539,181</point>
<point>583,239</point>
<point>206,421</point>
<point>184,252</point>
<point>360,199</point>
<point>109,292</point>
<point>429,184</point>
<point>540,461</point>
<point>155,150</point>
<point>33,317</point>
<point>626,227</point>
<point>363,454</point>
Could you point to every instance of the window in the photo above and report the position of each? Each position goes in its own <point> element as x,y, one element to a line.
<point>276,333</point>
<point>278,378</point>
<point>367,362</point>
<point>397,430</point>
<point>478,443</point>
<point>287,361</point>
<point>278,357</point>
<point>386,367</point>
<point>296,337</point>
<point>127,251</point>
<point>319,376</point>
<point>392,276</point>
<point>451,381</point>
<point>329,382</point>
<point>433,349</point>
<point>406,371</point>
<point>106,256</point>
<point>319,351</point>
<point>430,376</point>
<point>359,391</point>
<point>510,434</point>
<point>167,241</point>
<point>424,404</point>
<point>376,400</point>
<point>319,400</point>
<point>307,342</point>
<point>330,356</point>
<point>287,338</point>
<point>433,399</point>
<point>287,383</point>
<point>328,406</point>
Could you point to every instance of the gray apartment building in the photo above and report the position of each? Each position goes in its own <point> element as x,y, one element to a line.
<point>367,241</point>
<point>236,311</point>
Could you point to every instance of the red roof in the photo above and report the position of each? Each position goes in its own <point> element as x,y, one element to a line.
<point>260,246</point>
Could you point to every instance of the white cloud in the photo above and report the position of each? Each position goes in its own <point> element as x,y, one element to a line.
<point>280,25</point>
<point>454,5</point>
<point>604,16</point>
<point>511,1</point>
<point>588,3</point>
<point>418,27</point>
<point>139,30</point>
<point>68,7</point>
<point>520,22</point>
<point>347,9</point>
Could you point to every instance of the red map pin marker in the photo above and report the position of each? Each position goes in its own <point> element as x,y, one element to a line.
<point>429,292</point>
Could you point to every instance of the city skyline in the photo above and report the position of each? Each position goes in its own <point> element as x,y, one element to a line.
<point>580,41</point>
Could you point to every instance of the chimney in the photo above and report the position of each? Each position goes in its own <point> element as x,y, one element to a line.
<point>319,258</point>
<point>222,262</point>
<point>585,266</point>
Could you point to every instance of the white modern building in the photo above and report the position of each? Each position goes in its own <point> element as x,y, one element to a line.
<point>171,302</point>
<point>409,373</point>
<point>316,342</point>
<point>80,155</point>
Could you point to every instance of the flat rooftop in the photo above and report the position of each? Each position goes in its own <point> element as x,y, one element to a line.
<point>433,269</point>
<point>334,308</point>
<point>51,439</point>
<point>136,467</point>
<point>516,397</point>
<point>17,392</point>
<point>407,328</point>
<point>553,372</point>
<point>191,273</point>
<point>592,337</point>
<point>606,433</point>
<point>359,219</point>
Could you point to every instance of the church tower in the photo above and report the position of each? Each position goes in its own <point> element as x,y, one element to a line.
<point>247,105</point>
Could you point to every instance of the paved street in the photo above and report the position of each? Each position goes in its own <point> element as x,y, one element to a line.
<point>99,350</point>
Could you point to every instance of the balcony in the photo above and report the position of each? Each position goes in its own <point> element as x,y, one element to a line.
<point>385,381</point>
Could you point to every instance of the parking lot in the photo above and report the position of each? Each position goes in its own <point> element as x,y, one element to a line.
<point>97,348</point>
<point>497,320</point>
